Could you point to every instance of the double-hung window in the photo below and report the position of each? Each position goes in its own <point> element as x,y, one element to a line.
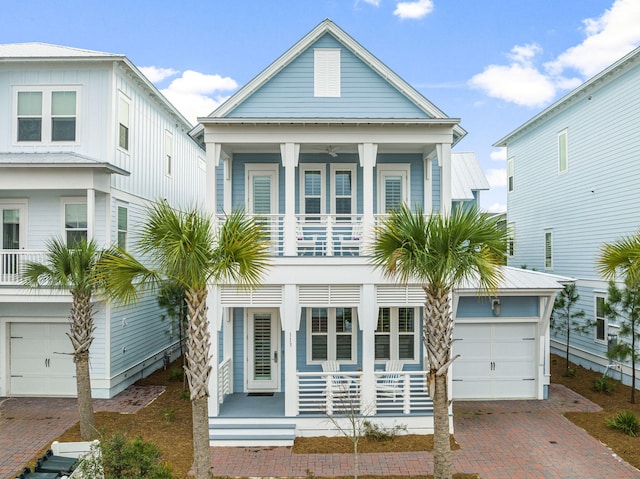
<point>396,334</point>
<point>168,152</point>
<point>75,221</point>
<point>393,186</point>
<point>331,334</point>
<point>123,226</point>
<point>312,181</point>
<point>600,319</point>
<point>563,151</point>
<point>511,239</point>
<point>510,174</point>
<point>46,114</point>
<point>343,192</point>
<point>123,121</point>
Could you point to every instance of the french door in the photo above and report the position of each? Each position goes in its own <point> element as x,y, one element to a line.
<point>263,346</point>
<point>12,236</point>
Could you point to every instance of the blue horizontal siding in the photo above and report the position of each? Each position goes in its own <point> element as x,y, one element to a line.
<point>364,93</point>
<point>511,307</point>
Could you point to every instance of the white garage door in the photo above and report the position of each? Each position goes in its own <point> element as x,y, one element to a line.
<point>40,360</point>
<point>497,361</point>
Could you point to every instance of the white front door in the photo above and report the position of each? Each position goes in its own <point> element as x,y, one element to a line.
<point>263,346</point>
<point>41,360</point>
<point>12,236</point>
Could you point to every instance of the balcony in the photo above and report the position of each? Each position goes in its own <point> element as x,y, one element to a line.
<point>13,262</point>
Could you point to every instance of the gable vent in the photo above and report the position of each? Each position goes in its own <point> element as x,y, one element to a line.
<point>263,296</point>
<point>400,295</point>
<point>326,72</point>
<point>324,295</point>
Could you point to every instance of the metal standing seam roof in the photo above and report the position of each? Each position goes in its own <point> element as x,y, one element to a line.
<point>514,279</point>
<point>61,160</point>
<point>46,50</point>
<point>466,176</point>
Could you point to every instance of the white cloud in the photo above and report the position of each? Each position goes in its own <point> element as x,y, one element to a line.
<point>197,94</point>
<point>413,10</point>
<point>499,155</point>
<point>497,208</point>
<point>375,3</point>
<point>608,38</point>
<point>497,177</point>
<point>155,74</point>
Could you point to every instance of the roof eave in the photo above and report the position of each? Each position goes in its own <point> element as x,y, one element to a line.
<point>106,166</point>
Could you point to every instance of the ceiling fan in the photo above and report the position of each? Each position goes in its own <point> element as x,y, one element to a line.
<point>331,151</point>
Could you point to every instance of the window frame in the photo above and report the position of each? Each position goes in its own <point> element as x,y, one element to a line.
<point>548,249</point>
<point>510,175</point>
<point>305,167</point>
<point>564,134</point>
<point>73,201</point>
<point>600,296</point>
<point>122,98</point>
<point>395,333</point>
<point>326,72</point>
<point>261,169</point>
<point>168,153</point>
<point>46,114</point>
<point>392,169</point>
<point>351,168</point>
<point>511,240</point>
<point>119,229</point>
<point>332,334</point>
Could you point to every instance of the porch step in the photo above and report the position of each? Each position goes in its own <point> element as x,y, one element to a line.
<point>242,433</point>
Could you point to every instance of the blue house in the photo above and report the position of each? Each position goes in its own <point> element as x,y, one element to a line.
<point>573,185</point>
<point>86,141</point>
<point>320,146</point>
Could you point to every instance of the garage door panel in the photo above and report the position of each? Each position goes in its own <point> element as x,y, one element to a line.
<point>472,389</point>
<point>515,389</point>
<point>513,331</point>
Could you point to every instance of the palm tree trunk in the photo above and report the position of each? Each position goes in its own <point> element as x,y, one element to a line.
<point>81,336</point>
<point>198,369</point>
<point>438,340</point>
<point>88,430</point>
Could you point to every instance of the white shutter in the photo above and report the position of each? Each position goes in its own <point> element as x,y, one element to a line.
<point>326,68</point>
<point>327,295</point>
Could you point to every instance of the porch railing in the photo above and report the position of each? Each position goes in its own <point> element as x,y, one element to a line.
<point>329,235</point>
<point>402,392</point>
<point>224,379</point>
<point>329,393</point>
<point>13,262</point>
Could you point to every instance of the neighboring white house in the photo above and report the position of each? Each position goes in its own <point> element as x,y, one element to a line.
<point>573,185</point>
<point>320,146</point>
<point>85,142</point>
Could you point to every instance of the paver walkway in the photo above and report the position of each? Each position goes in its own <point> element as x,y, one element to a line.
<point>498,440</point>
<point>27,425</point>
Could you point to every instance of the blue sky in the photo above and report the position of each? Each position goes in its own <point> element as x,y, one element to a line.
<point>492,63</point>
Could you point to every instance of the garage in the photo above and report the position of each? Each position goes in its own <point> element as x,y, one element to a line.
<point>497,361</point>
<point>41,360</point>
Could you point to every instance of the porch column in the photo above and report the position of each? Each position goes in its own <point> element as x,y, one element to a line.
<point>444,161</point>
<point>213,159</point>
<point>368,153</point>
<point>214,317</point>
<point>290,153</point>
<point>290,322</point>
<point>427,157</point>
<point>227,340</point>
<point>367,319</point>
<point>227,205</point>
<point>91,214</point>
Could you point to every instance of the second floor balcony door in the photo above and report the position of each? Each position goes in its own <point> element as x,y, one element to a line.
<point>12,217</point>
<point>262,196</point>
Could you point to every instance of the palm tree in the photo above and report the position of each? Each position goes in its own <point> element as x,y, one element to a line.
<point>184,249</point>
<point>73,268</point>
<point>622,257</point>
<point>439,252</point>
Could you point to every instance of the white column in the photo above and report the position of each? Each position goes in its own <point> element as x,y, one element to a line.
<point>213,158</point>
<point>227,205</point>
<point>290,153</point>
<point>214,314</point>
<point>227,339</point>
<point>367,319</point>
<point>91,214</point>
<point>367,153</point>
<point>108,239</point>
<point>427,157</point>
<point>290,322</point>
<point>444,161</point>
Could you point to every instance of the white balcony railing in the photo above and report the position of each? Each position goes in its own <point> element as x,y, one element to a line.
<point>224,379</point>
<point>329,392</point>
<point>402,392</point>
<point>13,262</point>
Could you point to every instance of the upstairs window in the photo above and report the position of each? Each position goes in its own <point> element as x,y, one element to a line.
<point>343,190</point>
<point>563,154</point>
<point>600,320</point>
<point>46,115</point>
<point>123,122</point>
<point>510,174</point>
<point>313,190</point>
<point>326,72</point>
<point>548,250</point>
<point>168,152</point>
<point>123,226</point>
<point>511,239</point>
<point>75,222</point>
<point>393,186</point>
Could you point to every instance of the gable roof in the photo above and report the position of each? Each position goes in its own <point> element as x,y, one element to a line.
<point>608,74</point>
<point>327,26</point>
<point>466,176</point>
<point>37,52</point>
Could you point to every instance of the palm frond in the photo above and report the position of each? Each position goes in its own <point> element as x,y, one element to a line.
<point>621,257</point>
<point>122,277</point>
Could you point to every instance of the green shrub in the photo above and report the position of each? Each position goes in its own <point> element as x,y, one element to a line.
<point>604,384</point>
<point>176,374</point>
<point>570,373</point>
<point>625,421</point>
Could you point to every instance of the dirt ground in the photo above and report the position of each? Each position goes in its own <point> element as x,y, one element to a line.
<point>167,422</point>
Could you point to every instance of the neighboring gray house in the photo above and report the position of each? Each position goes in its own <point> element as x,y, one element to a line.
<point>574,184</point>
<point>85,142</point>
<point>320,146</point>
